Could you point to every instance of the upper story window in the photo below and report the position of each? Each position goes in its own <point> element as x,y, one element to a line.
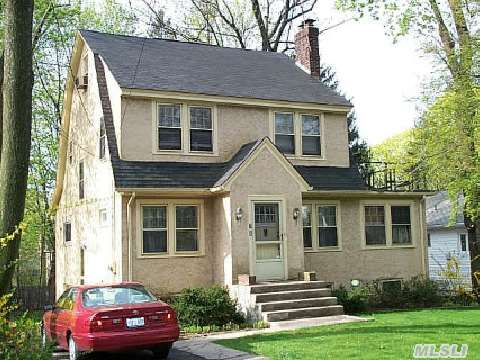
<point>81,179</point>
<point>285,132</point>
<point>201,129</point>
<point>102,141</point>
<point>311,144</point>
<point>169,127</point>
<point>67,232</point>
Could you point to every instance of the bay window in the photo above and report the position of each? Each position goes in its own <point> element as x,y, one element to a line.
<point>201,129</point>
<point>285,132</point>
<point>169,127</point>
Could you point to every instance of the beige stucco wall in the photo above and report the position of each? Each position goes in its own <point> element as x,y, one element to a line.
<point>101,248</point>
<point>265,175</point>
<point>356,262</point>
<point>235,126</point>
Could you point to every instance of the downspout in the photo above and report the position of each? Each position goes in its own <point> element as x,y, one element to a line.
<point>130,235</point>
<point>422,230</point>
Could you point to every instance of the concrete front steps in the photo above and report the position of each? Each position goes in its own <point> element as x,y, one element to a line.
<point>295,300</point>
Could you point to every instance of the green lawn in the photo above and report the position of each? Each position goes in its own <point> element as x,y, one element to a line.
<point>389,336</point>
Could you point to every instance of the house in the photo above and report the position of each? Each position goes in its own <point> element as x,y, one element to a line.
<point>447,240</point>
<point>187,165</point>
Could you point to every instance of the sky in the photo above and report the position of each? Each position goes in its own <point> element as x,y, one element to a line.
<point>382,79</point>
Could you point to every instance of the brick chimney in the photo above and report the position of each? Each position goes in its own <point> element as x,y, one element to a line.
<point>306,48</point>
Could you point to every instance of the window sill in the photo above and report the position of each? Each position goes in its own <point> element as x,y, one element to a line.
<point>388,247</point>
<point>183,153</point>
<point>305,157</point>
<point>169,256</point>
<point>326,249</point>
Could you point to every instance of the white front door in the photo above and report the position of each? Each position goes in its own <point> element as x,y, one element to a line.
<point>268,239</point>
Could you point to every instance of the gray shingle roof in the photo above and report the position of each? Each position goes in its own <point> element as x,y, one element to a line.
<point>198,68</point>
<point>332,178</point>
<point>439,208</point>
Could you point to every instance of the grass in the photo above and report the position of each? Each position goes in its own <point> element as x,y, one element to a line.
<point>389,336</point>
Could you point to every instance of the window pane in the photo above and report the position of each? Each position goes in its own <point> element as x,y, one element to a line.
<point>327,236</point>
<point>374,215</point>
<point>311,145</point>
<point>327,216</point>
<point>201,140</point>
<point>310,125</point>
<point>463,242</point>
<point>375,235</point>
<point>186,217</point>
<point>187,240</point>
<point>67,229</point>
<point>155,241</point>
<point>307,237</point>
<point>284,123</point>
<point>268,251</point>
<point>169,116</point>
<point>154,217</point>
<point>200,118</point>
<point>401,215</point>
<point>169,139</point>
<point>285,143</point>
<point>401,234</point>
<point>307,223</point>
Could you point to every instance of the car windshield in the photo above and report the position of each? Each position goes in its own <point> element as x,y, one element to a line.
<point>116,295</point>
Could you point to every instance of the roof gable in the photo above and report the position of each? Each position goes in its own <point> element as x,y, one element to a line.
<point>166,65</point>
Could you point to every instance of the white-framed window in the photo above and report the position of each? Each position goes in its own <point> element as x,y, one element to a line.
<point>169,127</point>
<point>311,141</point>
<point>375,229</point>
<point>388,224</point>
<point>298,134</point>
<point>307,226</point>
<point>201,129</point>
<point>154,229</point>
<point>102,139</point>
<point>186,228</point>
<point>170,227</point>
<point>463,242</point>
<point>67,232</point>
<point>321,225</point>
<point>327,225</point>
<point>285,132</point>
<point>81,179</point>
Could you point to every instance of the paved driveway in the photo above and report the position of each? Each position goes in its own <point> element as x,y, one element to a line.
<point>182,350</point>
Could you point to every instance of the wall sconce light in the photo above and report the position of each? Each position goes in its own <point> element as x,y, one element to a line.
<point>355,283</point>
<point>238,214</point>
<point>296,213</point>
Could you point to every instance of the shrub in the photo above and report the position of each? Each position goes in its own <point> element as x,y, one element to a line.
<point>354,301</point>
<point>422,292</point>
<point>206,306</point>
<point>20,338</point>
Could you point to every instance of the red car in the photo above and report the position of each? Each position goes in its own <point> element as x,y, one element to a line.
<point>110,318</point>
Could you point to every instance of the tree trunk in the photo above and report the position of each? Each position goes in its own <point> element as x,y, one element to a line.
<point>17,126</point>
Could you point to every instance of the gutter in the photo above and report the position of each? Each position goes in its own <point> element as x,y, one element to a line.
<point>130,236</point>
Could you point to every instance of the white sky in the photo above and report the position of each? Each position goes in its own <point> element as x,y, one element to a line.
<point>382,78</point>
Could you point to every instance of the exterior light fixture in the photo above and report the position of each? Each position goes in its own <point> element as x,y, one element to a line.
<point>296,213</point>
<point>355,283</point>
<point>238,214</point>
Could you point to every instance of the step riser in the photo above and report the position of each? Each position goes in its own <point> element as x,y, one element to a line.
<point>304,313</point>
<point>263,298</point>
<point>301,303</point>
<point>263,289</point>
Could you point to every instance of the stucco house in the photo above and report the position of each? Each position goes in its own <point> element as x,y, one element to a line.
<point>188,165</point>
<point>447,240</point>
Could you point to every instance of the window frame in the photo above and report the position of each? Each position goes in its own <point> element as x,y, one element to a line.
<point>190,128</point>
<point>197,206</point>
<point>81,180</point>
<point>184,128</point>
<point>317,212</point>
<point>171,205</point>
<point>320,135</point>
<point>416,234</point>
<point>143,229</point>
<point>315,226</point>
<point>460,244</point>
<point>292,134</point>
<point>410,224</point>
<point>102,140</point>
<point>298,133</point>
<point>64,231</point>
<point>385,226</point>
<point>310,226</point>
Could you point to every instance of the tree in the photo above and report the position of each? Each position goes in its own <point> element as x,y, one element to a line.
<point>17,121</point>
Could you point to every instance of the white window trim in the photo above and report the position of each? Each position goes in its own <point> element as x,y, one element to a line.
<point>199,217</point>
<point>171,230</point>
<point>315,245</point>
<point>298,130</point>
<point>387,204</point>
<point>184,129</point>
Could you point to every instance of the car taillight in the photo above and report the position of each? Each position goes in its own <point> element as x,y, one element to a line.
<point>166,315</point>
<point>103,323</point>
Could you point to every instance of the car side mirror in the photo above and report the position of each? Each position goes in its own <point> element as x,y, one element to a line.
<point>49,307</point>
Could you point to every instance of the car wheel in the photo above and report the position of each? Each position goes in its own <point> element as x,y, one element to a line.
<point>161,351</point>
<point>73,352</point>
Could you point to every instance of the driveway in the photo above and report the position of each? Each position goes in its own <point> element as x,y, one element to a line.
<point>182,350</point>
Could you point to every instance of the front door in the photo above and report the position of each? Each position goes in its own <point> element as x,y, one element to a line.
<point>268,237</point>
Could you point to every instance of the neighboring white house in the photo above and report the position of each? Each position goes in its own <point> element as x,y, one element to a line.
<point>446,240</point>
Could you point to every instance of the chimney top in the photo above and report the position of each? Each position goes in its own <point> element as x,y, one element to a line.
<point>306,48</point>
<point>306,23</point>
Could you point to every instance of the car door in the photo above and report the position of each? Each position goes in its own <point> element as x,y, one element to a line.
<point>65,316</point>
<point>51,321</point>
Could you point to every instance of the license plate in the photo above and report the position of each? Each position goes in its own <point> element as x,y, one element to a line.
<point>135,322</point>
